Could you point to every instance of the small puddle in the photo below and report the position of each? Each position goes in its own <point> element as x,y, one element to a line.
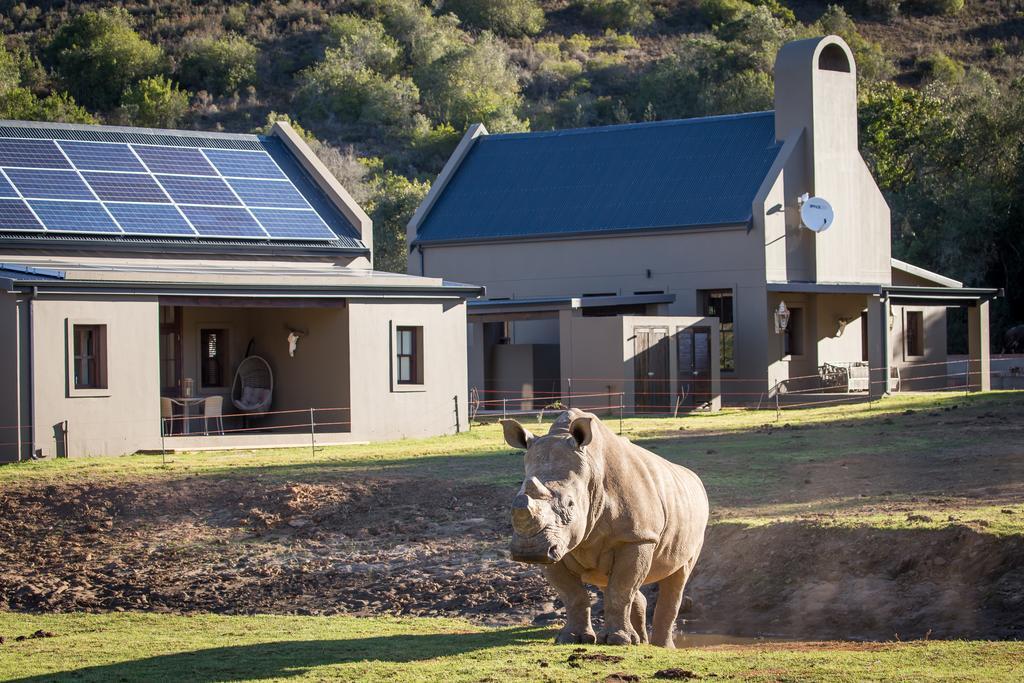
<point>699,640</point>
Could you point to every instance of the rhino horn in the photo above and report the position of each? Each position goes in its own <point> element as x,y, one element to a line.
<point>536,490</point>
<point>526,515</point>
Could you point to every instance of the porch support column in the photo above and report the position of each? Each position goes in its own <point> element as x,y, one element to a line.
<point>878,346</point>
<point>979,377</point>
<point>477,351</point>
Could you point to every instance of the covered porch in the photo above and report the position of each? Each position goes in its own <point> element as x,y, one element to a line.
<point>870,339</point>
<point>237,372</point>
<point>602,352</point>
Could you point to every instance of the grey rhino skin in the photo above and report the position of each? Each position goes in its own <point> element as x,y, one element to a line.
<point>595,508</point>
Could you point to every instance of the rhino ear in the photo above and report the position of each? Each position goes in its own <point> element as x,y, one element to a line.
<point>516,435</point>
<point>581,430</point>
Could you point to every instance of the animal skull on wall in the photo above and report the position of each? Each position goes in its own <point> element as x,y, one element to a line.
<point>294,335</point>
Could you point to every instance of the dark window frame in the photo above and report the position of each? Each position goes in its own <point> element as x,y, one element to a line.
<point>913,334</point>
<point>793,337</point>
<point>726,323</point>
<point>412,352</point>
<point>89,366</point>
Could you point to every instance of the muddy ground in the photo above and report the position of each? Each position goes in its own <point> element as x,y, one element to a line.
<point>380,546</point>
<point>420,540</point>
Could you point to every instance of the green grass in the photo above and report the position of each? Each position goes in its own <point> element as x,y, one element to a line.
<point>218,648</point>
<point>753,466</point>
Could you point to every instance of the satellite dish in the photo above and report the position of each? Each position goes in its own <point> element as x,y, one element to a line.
<point>817,214</point>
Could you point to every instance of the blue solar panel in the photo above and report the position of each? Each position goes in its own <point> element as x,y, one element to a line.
<point>86,185</point>
<point>272,193</point>
<point>244,164</point>
<point>184,160</point>
<point>215,221</point>
<point>6,189</point>
<point>35,184</point>
<point>198,190</point>
<point>150,219</point>
<point>73,216</point>
<point>14,215</point>
<point>31,154</point>
<point>101,156</point>
<point>286,224</point>
<point>125,187</point>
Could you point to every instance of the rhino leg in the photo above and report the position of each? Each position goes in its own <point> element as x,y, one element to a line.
<point>630,566</point>
<point>576,599</point>
<point>670,596</point>
<point>638,616</point>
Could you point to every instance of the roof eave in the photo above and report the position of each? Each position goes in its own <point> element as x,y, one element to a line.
<point>619,232</point>
<point>234,290</point>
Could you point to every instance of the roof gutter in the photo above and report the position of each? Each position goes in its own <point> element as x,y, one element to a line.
<point>70,287</point>
<point>585,234</point>
<point>184,247</point>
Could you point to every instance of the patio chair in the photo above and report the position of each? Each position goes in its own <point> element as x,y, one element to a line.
<point>167,416</point>
<point>213,409</point>
<point>253,387</point>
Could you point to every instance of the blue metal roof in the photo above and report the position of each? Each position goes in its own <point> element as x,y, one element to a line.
<point>642,176</point>
<point>14,271</point>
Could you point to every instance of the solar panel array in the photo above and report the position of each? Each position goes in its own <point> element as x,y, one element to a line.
<point>115,188</point>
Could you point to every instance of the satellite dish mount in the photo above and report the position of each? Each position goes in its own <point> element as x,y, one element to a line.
<point>816,213</point>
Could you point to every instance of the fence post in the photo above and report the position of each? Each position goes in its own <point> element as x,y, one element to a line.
<point>163,448</point>
<point>504,408</point>
<point>312,433</point>
<point>622,402</point>
<point>457,429</point>
<point>778,410</point>
<point>569,381</point>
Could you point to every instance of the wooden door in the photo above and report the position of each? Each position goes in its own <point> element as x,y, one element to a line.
<point>651,386</point>
<point>694,348</point>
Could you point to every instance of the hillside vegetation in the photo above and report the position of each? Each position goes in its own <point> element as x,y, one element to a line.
<point>386,88</point>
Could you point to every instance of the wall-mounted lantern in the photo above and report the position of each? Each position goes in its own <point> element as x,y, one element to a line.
<point>781,318</point>
<point>841,324</point>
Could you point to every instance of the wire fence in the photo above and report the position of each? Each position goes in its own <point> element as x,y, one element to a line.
<point>652,397</point>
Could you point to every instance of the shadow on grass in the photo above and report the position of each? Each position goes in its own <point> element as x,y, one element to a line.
<point>284,659</point>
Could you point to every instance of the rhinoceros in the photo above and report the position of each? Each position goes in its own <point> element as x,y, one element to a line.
<point>595,508</point>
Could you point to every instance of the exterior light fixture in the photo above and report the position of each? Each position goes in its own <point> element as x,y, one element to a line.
<point>781,318</point>
<point>841,324</point>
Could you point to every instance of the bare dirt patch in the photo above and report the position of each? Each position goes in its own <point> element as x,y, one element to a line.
<point>377,546</point>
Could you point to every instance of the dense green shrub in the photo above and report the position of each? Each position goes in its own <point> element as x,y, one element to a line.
<point>618,14</point>
<point>475,84</point>
<point>939,6</point>
<point>219,66</point>
<point>883,9</point>
<point>940,67</point>
<point>872,62</point>
<point>155,102</point>
<point>721,11</point>
<point>97,55</point>
<point>505,17</point>
<point>338,88</point>
<point>365,42</point>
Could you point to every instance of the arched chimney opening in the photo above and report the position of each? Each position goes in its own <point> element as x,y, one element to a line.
<point>833,58</point>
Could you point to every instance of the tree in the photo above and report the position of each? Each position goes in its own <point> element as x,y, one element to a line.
<point>506,17</point>
<point>365,42</point>
<point>619,14</point>
<point>393,201</point>
<point>220,66</point>
<point>474,84</point>
<point>155,102</point>
<point>20,103</point>
<point>97,55</point>
<point>338,87</point>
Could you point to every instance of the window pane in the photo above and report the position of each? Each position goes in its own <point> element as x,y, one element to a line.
<point>404,369</point>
